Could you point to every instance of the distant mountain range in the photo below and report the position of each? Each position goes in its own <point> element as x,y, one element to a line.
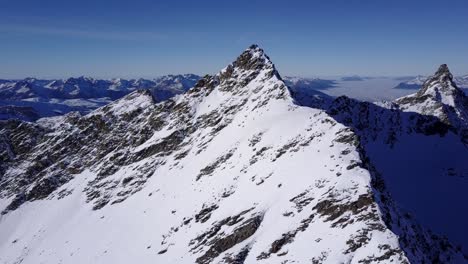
<point>30,98</point>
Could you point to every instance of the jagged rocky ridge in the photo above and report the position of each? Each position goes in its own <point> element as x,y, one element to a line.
<point>31,98</point>
<point>237,170</point>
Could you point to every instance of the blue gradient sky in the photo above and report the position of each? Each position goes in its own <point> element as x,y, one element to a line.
<point>52,38</point>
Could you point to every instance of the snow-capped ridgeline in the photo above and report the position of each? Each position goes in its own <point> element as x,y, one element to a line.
<point>30,99</point>
<point>236,170</point>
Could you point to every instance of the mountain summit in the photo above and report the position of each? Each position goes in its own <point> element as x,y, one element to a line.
<point>252,63</point>
<point>232,171</point>
<point>254,59</point>
<point>444,72</point>
<point>441,86</point>
<point>439,96</point>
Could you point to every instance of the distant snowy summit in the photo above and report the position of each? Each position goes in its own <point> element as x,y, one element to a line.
<point>440,96</point>
<point>415,83</point>
<point>30,98</point>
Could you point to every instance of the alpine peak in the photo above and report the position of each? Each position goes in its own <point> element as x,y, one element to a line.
<point>444,72</point>
<point>440,97</point>
<point>255,59</point>
<point>251,64</point>
<point>442,81</point>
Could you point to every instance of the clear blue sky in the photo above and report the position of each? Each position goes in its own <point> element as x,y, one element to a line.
<point>61,38</point>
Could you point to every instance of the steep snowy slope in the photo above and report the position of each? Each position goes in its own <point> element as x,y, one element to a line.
<point>233,171</point>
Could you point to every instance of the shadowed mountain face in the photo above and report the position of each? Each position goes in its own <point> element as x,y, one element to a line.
<point>30,99</point>
<point>418,144</point>
<point>239,169</point>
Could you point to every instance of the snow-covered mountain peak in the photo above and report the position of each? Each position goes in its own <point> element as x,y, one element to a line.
<point>252,73</point>
<point>440,97</point>
<point>254,58</point>
<point>443,71</point>
<point>251,62</point>
<point>441,86</point>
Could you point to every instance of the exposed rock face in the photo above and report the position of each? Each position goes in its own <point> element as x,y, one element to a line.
<point>234,171</point>
<point>67,145</point>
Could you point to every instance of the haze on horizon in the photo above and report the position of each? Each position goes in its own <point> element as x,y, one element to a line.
<point>132,39</point>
